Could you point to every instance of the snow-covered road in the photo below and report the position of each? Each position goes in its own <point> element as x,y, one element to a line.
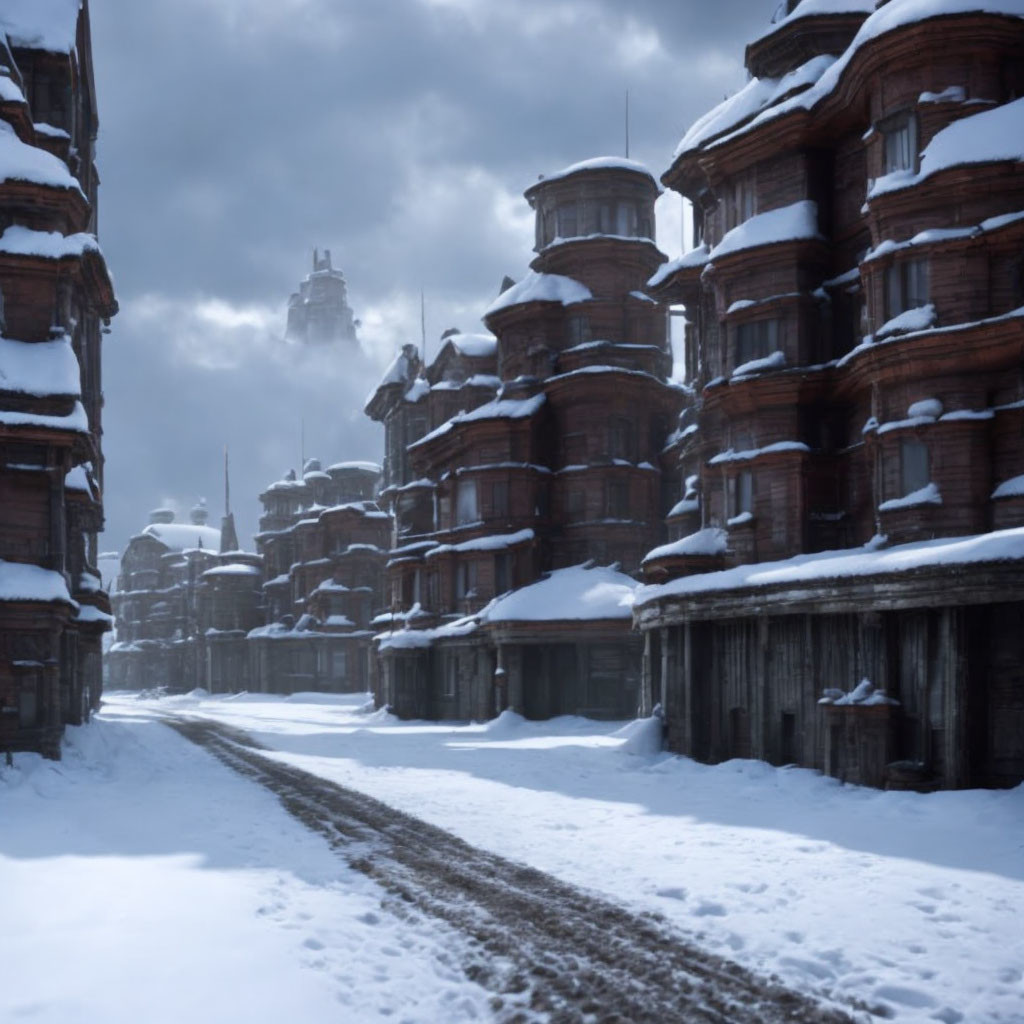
<point>127,898</point>
<point>910,903</point>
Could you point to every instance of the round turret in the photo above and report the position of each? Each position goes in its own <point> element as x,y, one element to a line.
<point>200,514</point>
<point>162,515</point>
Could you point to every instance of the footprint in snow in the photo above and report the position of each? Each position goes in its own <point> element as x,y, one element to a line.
<point>708,908</point>
<point>672,893</point>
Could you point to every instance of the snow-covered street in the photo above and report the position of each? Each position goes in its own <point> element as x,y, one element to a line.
<point>905,903</point>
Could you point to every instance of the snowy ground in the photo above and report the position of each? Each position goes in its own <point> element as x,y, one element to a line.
<point>910,903</point>
<point>145,882</point>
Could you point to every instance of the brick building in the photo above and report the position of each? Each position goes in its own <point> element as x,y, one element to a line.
<point>514,468</point>
<point>324,540</point>
<point>185,601</point>
<point>842,585</point>
<point>55,298</point>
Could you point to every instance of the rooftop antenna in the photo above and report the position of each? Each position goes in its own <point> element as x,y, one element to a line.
<point>627,124</point>
<point>227,485</point>
<point>423,326</point>
<point>302,445</point>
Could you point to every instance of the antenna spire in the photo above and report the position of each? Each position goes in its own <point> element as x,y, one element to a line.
<point>627,124</point>
<point>423,326</point>
<point>227,484</point>
<point>302,445</point>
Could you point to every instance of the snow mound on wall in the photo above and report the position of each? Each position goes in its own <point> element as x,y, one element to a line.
<point>39,368</point>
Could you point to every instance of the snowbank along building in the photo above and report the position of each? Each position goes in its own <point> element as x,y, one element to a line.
<point>185,601</point>
<point>324,541</point>
<point>55,297</point>
<point>842,587</point>
<point>524,472</point>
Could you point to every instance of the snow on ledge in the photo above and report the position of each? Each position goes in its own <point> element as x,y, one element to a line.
<point>1012,488</point>
<point>920,318</point>
<point>494,542</point>
<point>22,162</point>
<point>41,368</point>
<point>712,540</point>
<point>49,25</point>
<point>752,453</point>
<point>698,257</point>
<point>997,546</point>
<point>787,223</point>
<point>775,361</point>
<point>927,495</point>
<point>22,582</point>
<point>50,245</point>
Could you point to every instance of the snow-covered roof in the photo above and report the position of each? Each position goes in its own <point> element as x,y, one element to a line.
<point>21,162</point>
<point>710,541</point>
<point>993,135</point>
<point>369,467</point>
<point>39,368</point>
<point>51,245</point>
<point>576,593</point>
<point>762,100</point>
<point>87,613</point>
<point>500,408</point>
<point>536,287</point>
<point>472,345</point>
<point>1000,545</point>
<point>697,257</point>
<point>233,569</point>
<point>184,536</point>
<point>41,24</point>
<point>817,8</point>
<point>77,479</point>
<point>21,582</point>
<point>599,163</point>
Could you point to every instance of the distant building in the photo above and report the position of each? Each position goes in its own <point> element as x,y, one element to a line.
<point>55,296</point>
<point>524,473</point>
<point>319,312</point>
<point>185,600</point>
<point>843,588</point>
<point>324,541</point>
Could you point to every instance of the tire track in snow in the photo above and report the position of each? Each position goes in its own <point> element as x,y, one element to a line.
<point>548,950</point>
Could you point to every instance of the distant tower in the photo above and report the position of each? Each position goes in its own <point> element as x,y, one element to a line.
<point>319,310</point>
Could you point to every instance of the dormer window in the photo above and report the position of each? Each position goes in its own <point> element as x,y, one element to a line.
<point>899,137</point>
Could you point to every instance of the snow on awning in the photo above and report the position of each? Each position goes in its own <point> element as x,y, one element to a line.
<point>50,245</point>
<point>787,223</point>
<point>712,540</point>
<point>1000,545</point>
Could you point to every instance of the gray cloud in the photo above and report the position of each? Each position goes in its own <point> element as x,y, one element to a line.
<point>400,133</point>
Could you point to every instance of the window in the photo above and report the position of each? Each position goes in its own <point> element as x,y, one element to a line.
<point>502,575</point>
<point>499,499</point>
<point>577,504</point>
<point>645,225</point>
<point>744,201</point>
<point>466,510</point>
<point>606,219</point>
<point>339,664</point>
<point>577,330</point>
<point>617,498</point>
<point>906,287</point>
<point>620,438</point>
<point>915,466</point>
<point>567,220</point>
<point>899,136</point>
<point>742,493</point>
<point>451,678</point>
<point>465,580</point>
<point>756,340</point>
<point>626,219</point>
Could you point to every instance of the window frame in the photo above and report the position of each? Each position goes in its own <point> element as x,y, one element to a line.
<point>756,339</point>
<point>467,502</point>
<point>915,470</point>
<point>900,130</point>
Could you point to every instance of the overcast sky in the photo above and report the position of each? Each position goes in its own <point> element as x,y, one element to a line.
<point>237,134</point>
